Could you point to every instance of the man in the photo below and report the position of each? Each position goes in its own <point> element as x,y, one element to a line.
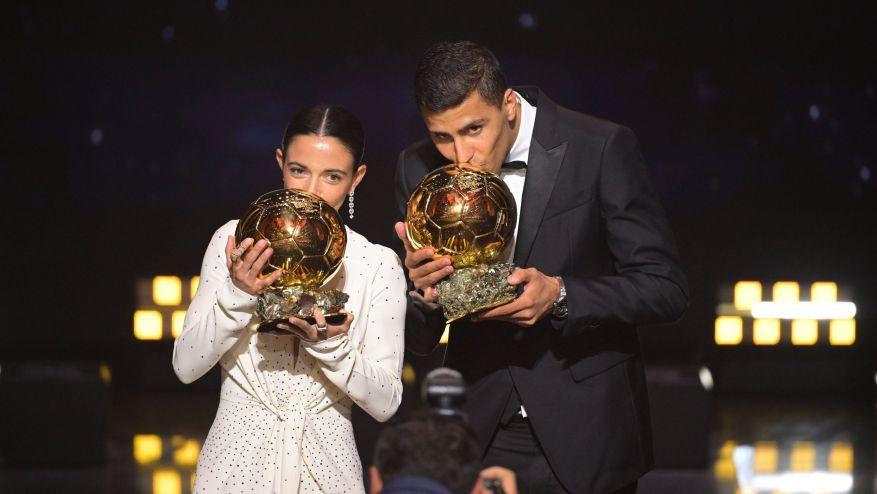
<point>432,454</point>
<point>557,389</point>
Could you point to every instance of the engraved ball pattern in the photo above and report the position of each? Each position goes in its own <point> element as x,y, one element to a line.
<point>463,212</point>
<point>305,232</point>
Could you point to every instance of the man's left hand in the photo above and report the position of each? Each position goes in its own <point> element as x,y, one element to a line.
<point>537,299</point>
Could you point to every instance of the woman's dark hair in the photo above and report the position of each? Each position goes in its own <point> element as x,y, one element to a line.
<point>450,71</point>
<point>328,121</point>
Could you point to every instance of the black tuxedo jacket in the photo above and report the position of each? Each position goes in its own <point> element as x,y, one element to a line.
<point>590,215</point>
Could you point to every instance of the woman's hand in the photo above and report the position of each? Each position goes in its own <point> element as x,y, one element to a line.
<point>314,332</point>
<point>245,263</point>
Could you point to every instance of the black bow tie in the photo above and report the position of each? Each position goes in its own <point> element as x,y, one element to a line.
<point>514,165</point>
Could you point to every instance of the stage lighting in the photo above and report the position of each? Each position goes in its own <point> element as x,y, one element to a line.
<point>161,306</point>
<point>147,325</point>
<point>167,290</point>
<point>842,332</point>
<point>766,331</point>
<point>786,318</point>
<point>166,481</point>
<point>805,332</point>
<point>728,330</point>
<point>177,319</point>
<point>147,448</point>
<point>803,457</point>
<point>804,310</point>
<point>706,378</point>
<point>766,457</point>
<point>193,286</point>
<point>746,294</point>
<point>187,451</point>
<point>840,457</point>
<point>823,291</point>
<point>786,291</point>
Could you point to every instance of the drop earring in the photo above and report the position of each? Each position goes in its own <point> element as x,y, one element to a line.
<point>350,205</point>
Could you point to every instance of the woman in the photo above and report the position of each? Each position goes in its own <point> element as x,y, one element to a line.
<point>283,423</point>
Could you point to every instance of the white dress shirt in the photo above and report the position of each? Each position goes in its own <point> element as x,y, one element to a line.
<point>520,151</point>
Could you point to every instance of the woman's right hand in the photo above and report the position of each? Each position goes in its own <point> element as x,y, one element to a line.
<point>245,263</point>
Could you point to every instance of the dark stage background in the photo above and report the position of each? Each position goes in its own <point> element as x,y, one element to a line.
<point>131,131</point>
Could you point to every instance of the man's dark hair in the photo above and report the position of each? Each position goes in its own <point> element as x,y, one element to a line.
<point>450,70</point>
<point>441,448</point>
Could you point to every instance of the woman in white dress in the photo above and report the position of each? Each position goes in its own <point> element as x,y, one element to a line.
<point>283,423</point>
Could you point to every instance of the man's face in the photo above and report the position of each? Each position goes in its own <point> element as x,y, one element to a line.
<point>475,131</point>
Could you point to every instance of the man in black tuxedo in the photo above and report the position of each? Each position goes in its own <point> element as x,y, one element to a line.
<point>557,388</point>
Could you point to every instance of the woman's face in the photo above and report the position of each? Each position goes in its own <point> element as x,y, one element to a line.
<point>321,166</point>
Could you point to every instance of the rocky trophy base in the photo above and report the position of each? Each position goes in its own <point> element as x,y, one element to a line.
<point>473,289</point>
<point>278,305</point>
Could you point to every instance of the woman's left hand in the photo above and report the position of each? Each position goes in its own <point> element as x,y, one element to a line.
<point>315,332</point>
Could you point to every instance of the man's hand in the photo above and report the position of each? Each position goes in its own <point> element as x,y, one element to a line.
<point>537,300</point>
<point>424,270</point>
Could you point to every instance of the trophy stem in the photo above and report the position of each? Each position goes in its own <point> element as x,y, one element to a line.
<point>476,288</point>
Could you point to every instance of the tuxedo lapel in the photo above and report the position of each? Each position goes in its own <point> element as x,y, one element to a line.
<point>546,156</point>
<point>542,168</point>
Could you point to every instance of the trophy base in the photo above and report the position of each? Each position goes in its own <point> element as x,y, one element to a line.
<point>278,305</point>
<point>474,289</point>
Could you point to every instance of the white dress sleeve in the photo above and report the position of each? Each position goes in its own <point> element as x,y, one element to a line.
<point>217,317</point>
<point>371,377</point>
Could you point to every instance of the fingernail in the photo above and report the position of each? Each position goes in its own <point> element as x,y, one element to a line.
<point>449,269</point>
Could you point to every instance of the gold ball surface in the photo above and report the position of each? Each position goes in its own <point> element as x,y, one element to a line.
<point>463,212</point>
<point>306,233</point>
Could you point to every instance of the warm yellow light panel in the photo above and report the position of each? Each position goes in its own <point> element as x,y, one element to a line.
<point>803,456</point>
<point>147,448</point>
<point>842,332</point>
<point>840,458</point>
<point>823,291</point>
<point>147,325</point>
<point>409,376</point>
<point>187,453</point>
<point>106,373</point>
<point>729,330</point>
<point>766,457</point>
<point>786,291</point>
<point>193,286</point>
<point>805,331</point>
<point>177,319</point>
<point>165,481</point>
<point>724,466</point>
<point>766,332</point>
<point>746,294</point>
<point>167,290</point>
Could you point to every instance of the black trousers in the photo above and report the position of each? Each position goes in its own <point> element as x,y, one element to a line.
<point>515,447</point>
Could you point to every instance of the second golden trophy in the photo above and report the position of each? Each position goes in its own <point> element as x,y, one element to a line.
<point>468,214</point>
<point>308,240</point>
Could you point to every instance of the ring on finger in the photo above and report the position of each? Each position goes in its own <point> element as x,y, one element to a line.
<point>321,329</point>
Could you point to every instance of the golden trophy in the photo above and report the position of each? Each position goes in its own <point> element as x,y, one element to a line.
<point>308,239</point>
<point>469,214</point>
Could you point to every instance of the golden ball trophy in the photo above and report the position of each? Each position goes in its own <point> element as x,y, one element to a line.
<point>468,214</point>
<point>308,239</point>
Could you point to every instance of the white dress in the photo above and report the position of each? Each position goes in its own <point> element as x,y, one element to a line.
<point>283,423</point>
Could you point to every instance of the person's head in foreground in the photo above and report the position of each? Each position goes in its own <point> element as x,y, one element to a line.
<point>430,451</point>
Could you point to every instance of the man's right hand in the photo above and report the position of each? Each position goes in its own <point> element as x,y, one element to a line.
<point>424,270</point>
